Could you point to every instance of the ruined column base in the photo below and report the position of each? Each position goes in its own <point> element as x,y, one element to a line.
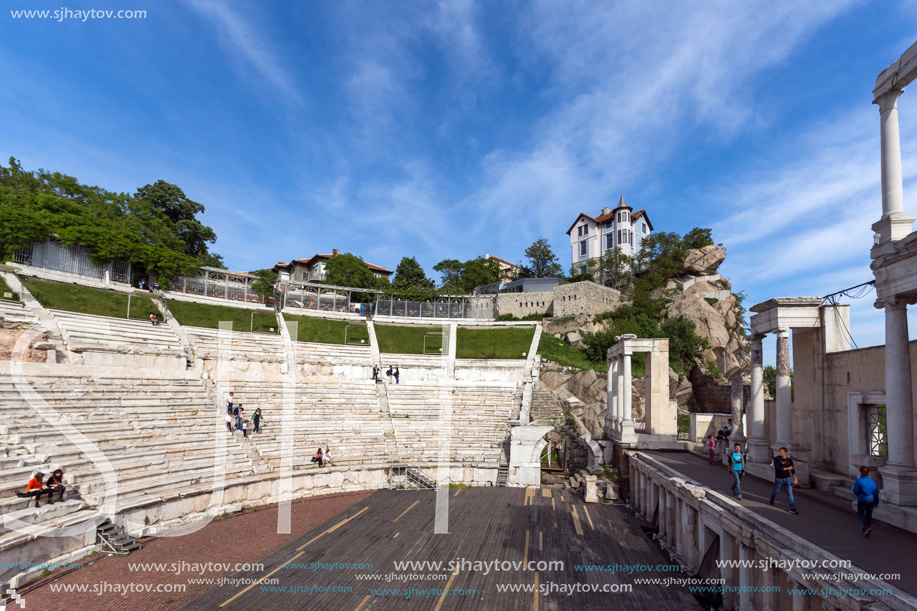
<point>759,451</point>
<point>900,485</point>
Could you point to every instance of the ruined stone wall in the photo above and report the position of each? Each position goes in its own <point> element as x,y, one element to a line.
<point>525,304</point>
<point>8,339</point>
<point>584,298</point>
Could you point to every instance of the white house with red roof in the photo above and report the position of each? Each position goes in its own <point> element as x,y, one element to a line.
<point>622,228</point>
<point>313,269</point>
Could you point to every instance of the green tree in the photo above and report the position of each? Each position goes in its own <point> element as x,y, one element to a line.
<point>409,276</point>
<point>616,269</point>
<point>699,237</point>
<point>264,285</point>
<point>181,212</point>
<point>450,272</point>
<point>157,229</point>
<point>542,262</point>
<point>770,380</point>
<point>345,269</point>
<point>478,272</point>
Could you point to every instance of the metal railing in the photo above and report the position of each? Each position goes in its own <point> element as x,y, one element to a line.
<point>75,260</point>
<point>404,476</point>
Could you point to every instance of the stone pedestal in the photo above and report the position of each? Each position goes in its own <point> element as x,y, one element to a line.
<point>759,451</point>
<point>899,485</point>
<point>875,464</point>
<point>592,491</point>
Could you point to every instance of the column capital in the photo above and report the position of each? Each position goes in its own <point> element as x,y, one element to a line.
<point>758,337</point>
<point>888,100</point>
<point>783,332</point>
<point>895,302</point>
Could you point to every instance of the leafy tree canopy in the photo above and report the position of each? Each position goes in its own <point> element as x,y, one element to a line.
<point>264,285</point>
<point>156,229</point>
<point>541,260</point>
<point>346,269</point>
<point>409,276</point>
<point>462,278</point>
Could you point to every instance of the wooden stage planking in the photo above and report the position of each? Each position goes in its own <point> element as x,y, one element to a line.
<point>485,524</point>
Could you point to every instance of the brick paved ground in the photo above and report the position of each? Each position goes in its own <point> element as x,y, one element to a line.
<point>241,539</point>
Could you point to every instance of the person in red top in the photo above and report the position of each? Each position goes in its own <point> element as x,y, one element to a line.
<point>35,488</point>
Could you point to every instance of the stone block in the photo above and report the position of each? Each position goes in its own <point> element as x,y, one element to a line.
<point>591,489</point>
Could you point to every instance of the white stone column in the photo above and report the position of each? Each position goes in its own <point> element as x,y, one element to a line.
<point>745,576</point>
<point>671,520</point>
<point>738,396</point>
<point>619,388</point>
<point>626,397</point>
<point>894,224</point>
<point>758,447</point>
<point>899,475</point>
<point>663,531</point>
<point>784,390</point>
<point>727,541</point>
<point>611,413</point>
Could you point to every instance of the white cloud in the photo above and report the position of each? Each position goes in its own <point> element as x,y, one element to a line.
<point>241,39</point>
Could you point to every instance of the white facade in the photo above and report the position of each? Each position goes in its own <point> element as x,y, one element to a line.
<point>591,238</point>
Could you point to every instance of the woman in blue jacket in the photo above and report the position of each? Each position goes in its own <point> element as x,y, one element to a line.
<point>867,492</point>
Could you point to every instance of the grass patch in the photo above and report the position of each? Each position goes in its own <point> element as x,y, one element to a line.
<point>325,331</point>
<point>85,300</point>
<point>394,339</point>
<point>209,316</point>
<point>508,343</point>
<point>5,288</point>
<point>558,351</point>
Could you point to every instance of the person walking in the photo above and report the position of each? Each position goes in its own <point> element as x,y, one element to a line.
<point>784,475</point>
<point>229,423</point>
<point>389,374</point>
<point>244,429</point>
<point>711,447</point>
<point>229,400</point>
<point>737,468</point>
<point>375,373</point>
<point>256,420</point>
<point>867,492</point>
<point>396,375</point>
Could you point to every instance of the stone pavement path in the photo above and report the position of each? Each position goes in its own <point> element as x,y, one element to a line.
<point>887,550</point>
<point>240,539</point>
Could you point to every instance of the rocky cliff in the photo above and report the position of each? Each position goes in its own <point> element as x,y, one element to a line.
<point>700,295</point>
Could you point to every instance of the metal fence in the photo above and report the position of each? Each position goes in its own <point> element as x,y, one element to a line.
<point>219,283</point>
<point>378,303</point>
<point>72,260</point>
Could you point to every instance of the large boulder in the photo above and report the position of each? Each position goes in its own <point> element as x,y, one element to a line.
<point>708,322</point>
<point>704,261</point>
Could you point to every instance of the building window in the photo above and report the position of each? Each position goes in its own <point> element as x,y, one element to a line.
<point>878,438</point>
<point>619,237</point>
<point>609,241</point>
<point>582,248</point>
<point>643,228</point>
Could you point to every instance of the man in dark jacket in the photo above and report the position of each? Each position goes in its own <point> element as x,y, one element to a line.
<point>784,475</point>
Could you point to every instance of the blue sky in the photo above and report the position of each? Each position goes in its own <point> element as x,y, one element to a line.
<point>450,129</point>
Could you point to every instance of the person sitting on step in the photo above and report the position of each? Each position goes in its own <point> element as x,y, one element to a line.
<point>56,484</point>
<point>36,488</point>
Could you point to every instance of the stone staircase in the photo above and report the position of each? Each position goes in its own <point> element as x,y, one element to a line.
<point>546,407</point>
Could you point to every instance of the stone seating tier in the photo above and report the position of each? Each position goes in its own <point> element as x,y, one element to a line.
<point>333,354</point>
<point>257,346</point>
<point>106,332</point>
<point>15,312</point>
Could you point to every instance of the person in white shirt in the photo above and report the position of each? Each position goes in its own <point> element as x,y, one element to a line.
<point>229,400</point>
<point>326,457</point>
